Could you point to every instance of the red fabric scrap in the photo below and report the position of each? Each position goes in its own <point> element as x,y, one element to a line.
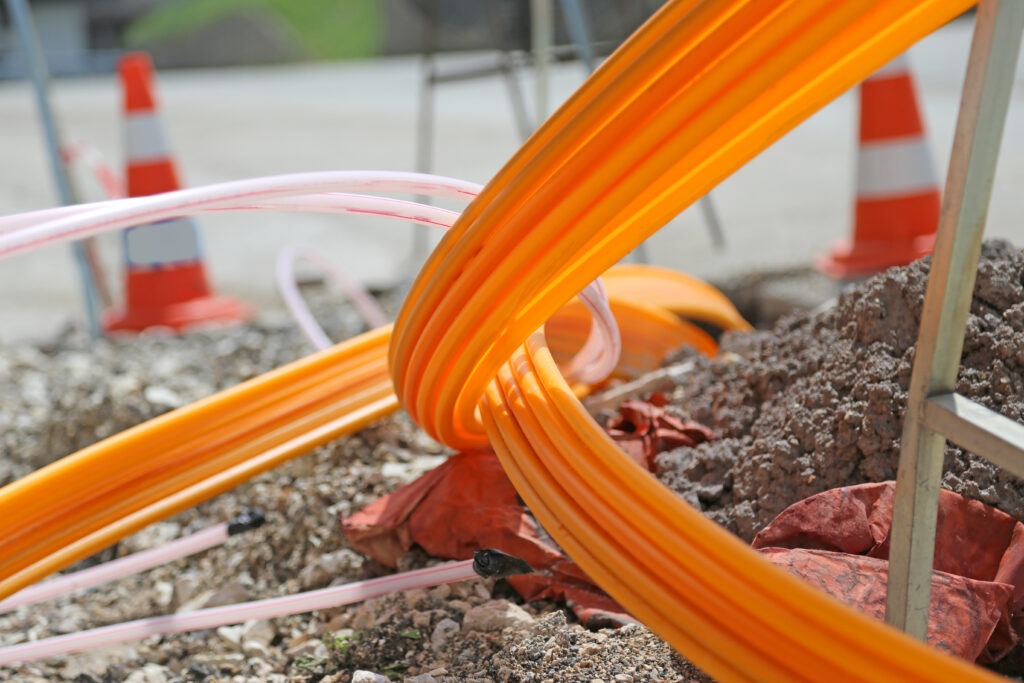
<point>468,503</point>
<point>839,541</point>
<point>643,430</point>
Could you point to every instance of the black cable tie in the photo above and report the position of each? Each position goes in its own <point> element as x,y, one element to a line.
<point>490,563</point>
<point>252,518</point>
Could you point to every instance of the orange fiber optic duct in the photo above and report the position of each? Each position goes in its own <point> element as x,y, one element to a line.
<point>90,499</point>
<point>697,92</point>
<point>86,501</point>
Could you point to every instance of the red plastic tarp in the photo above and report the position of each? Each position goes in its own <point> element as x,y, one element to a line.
<point>839,540</point>
<point>468,503</point>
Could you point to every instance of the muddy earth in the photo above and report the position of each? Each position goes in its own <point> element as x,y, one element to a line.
<point>817,402</point>
<point>811,404</point>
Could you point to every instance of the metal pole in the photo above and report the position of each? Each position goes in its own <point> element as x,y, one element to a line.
<point>986,96</point>
<point>576,24</point>
<point>542,32</point>
<point>36,61</point>
<point>425,123</point>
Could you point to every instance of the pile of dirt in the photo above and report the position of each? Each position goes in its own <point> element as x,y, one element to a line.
<point>817,402</point>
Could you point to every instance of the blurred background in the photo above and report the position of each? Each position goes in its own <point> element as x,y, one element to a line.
<point>250,88</point>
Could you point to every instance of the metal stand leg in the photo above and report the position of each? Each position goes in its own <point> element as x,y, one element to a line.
<point>425,123</point>
<point>542,37</point>
<point>576,24</point>
<point>707,208</point>
<point>22,20</point>
<point>986,96</point>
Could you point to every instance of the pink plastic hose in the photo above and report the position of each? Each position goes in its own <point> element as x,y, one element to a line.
<point>135,563</point>
<point>328,191</point>
<point>286,285</point>
<point>235,614</point>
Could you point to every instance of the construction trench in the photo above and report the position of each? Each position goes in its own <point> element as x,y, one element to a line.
<point>766,420</point>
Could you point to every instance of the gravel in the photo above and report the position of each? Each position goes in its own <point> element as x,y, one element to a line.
<point>61,395</point>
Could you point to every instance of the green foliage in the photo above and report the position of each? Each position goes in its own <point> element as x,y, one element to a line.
<point>307,662</point>
<point>412,634</point>
<point>395,671</point>
<point>339,642</point>
<point>323,29</point>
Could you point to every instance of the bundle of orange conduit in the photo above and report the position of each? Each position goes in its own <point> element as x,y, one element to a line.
<point>694,94</point>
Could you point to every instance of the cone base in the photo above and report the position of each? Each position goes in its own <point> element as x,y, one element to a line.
<point>849,261</point>
<point>212,311</point>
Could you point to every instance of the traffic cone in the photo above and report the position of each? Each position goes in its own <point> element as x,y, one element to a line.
<point>898,196</point>
<point>165,280</point>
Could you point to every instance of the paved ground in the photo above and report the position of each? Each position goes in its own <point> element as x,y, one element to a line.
<point>781,210</point>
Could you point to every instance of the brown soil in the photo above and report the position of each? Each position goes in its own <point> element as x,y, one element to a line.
<point>817,402</point>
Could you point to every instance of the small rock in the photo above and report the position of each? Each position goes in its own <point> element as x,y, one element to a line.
<point>622,678</point>
<point>197,601</point>
<point>200,671</point>
<point>164,593</point>
<point>460,605</point>
<point>444,630</point>
<point>150,673</point>
<point>162,397</point>
<point>259,631</point>
<point>96,662</point>
<point>83,678</point>
<point>227,662</point>
<point>186,589</point>
<point>362,676</point>
<point>415,597</point>
<point>495,615</point>
<point>255,650</point>
<point>422,678</point>
<point>328,567</point>
<point>481,590</point>
<point>229,594</point>
<point>442,592</point>
<point>313,648</point>
<point>232,635</point>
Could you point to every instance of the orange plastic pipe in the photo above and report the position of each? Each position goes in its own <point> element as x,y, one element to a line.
<point>693,96</point>
<point>672,291</point>
<point>648,334</point>
<point>88,500</point>
<point>689,99</point>
<point>717,601</point>
<point>183,457</point>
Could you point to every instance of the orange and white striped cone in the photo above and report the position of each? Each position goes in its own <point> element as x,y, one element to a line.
<point>898,196</point>
<point>165,280</point>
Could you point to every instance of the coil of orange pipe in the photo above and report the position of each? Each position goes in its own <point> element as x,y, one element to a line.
<point>691,97</point>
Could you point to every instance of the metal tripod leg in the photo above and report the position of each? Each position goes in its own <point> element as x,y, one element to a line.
<point>985,99</point>
<point>84,254</point>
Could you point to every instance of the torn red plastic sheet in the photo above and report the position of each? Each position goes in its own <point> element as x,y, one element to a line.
<point>839,540</point>
<point>468,503</point>
<point>643,429</point>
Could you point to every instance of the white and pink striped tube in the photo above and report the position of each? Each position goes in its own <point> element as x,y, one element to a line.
<point>90,157</point>
<point>235,614</point>
<point>289,289</point>
<point>100,217</point>
<point>325,191</point>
